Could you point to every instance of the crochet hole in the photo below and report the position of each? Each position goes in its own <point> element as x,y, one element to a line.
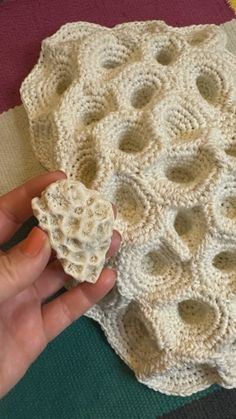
<point>142,96</point>
<point>132,320</point>
<point>130,209</point>
<point>110,64</point>
<point>91,117</point>
<point>137,327</point>
<point>183,222</point>
<point>188,136</point>
<point>165,56</point>
<point>231,151</point>
<point>225,261</point>
<point>180,174</point>
<point>63,85</point>
<point>183,126</point>
<point>153,263</point>
<point>228,207</point>
<point>88,172</point>
<point>197,37</point>
<point>190,225</point>
<point>194,312</point>
<point>208,87</point>
<point>128,205</point>
<point>112,56</point>
<point>132,141</point>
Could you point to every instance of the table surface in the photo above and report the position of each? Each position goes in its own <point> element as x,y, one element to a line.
<point>79,375</point>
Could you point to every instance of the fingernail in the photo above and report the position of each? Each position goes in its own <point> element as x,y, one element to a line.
<point>35,242</point>
<point>114,210</point>
<point>62,172</point>
<point>112,275</point>
<point>120,236</point>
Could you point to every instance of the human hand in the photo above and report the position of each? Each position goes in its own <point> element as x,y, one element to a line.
<point>27,278</point>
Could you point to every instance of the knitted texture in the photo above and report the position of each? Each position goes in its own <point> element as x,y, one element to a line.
<point>145,114</point>
<point>79,224</point>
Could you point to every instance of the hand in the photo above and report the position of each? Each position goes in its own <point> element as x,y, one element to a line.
<point>27,278</point>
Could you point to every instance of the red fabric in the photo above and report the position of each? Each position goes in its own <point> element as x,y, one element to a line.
<point>24,23</point>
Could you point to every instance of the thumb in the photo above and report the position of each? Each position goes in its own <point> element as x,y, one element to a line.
<point>22,265</point>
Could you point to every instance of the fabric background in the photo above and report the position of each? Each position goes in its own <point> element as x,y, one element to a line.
<point>25,23</point>
<point>232,3</point>
<point>79,375</point>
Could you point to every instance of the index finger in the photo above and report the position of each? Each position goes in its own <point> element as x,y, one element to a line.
<point>15,206</point>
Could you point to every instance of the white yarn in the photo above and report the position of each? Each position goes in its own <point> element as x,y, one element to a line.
<point>145,114</point>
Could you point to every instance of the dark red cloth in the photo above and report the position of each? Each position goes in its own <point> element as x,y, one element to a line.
<point>24,23</point>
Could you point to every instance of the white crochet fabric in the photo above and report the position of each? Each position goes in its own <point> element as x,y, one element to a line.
<point>145,114</point>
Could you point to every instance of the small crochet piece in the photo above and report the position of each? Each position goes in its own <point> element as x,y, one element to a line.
<point>145,114</point>
<point>79,223</point>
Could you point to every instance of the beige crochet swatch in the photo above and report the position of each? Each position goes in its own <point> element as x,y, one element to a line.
<point>15,139</point>
<point>145,114</point>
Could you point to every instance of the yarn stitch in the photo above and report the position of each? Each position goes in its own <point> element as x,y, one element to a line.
<point>145,114</point>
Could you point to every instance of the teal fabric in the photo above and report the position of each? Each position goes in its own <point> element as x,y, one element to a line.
<point>80,376</point>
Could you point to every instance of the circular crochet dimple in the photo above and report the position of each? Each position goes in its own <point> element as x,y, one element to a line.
<point>212,80</point>
<point>214,264</point>
<point>103,57</point>
<point>222,207</point>
<point>199,322</point>
<point>138,87</point>
<point>128,139</point>
<point>180,120</point>
<point>143,337</point>
<point>184,173</point>
<point>206,37</point>
<point>144,113</point>
<point>164,49</point>
<point>158,272</point>
<point>135,206</point>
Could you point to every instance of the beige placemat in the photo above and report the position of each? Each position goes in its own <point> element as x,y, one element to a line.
<point>17,161</point>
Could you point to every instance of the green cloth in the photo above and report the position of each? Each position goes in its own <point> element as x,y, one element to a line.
<point>80,376</point>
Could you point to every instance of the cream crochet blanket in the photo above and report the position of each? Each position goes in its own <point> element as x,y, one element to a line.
<point>145,114</point>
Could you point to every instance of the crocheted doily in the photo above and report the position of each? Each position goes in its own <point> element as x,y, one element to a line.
<point>145,114</point>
